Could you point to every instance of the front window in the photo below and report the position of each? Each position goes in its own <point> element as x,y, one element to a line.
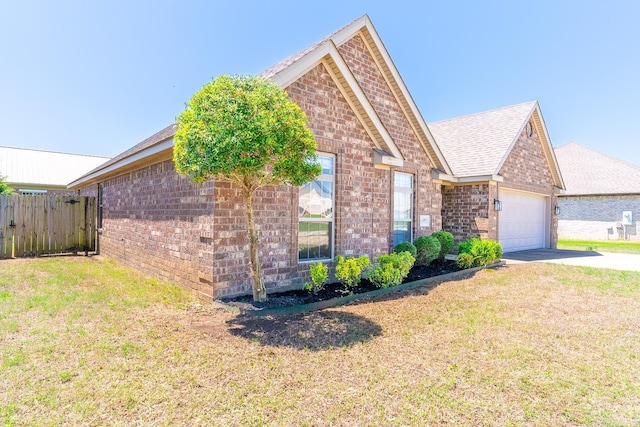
<point>315,214</point>
<point>402,208</point>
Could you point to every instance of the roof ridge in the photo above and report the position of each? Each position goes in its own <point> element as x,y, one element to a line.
<point>482,112</point>
<point>51,151</point>
<point>273,69</point>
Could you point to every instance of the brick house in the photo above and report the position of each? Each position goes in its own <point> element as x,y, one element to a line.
<point>602,200</point>
<point>505,179</point>
<point>377,187</point>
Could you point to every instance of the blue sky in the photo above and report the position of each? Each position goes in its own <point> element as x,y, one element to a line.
<point>98,77</point>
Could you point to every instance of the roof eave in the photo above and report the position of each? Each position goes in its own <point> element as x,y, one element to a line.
<point>439,175</point>
<point>328,55</point>
<point>33,186</point>
<point>565,194</point>
<point>403,96</point>
<point>163,150</point>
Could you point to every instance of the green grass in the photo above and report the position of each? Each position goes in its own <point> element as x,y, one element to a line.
<point>86,342</point>
<point>619,246</point>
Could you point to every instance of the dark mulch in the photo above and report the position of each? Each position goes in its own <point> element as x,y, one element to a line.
<point>336,290</point>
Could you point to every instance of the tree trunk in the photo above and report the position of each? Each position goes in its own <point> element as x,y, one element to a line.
<point>259,291</point>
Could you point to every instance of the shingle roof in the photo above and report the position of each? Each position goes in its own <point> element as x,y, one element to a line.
<point>280,66</point>
<point>162,135</point>
<point>44,168</point>
<point>586,171</point>
<point>476,145</point>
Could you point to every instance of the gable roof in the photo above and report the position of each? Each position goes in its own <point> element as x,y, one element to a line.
<point>287,71</point>
<point>325,51</point>
<point>589,172</point>
<point>43,169</point>
<point>476,146</point>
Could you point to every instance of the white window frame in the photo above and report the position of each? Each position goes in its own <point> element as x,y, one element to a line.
<point>327,178</point>
<point>405,190</point>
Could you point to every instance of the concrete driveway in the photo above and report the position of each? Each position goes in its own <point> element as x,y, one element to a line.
<point>584,258</point>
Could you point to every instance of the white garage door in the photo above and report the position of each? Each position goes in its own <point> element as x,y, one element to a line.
<point>523,221</point>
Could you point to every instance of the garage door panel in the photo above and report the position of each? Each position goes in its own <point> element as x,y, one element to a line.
<point>523,222</point>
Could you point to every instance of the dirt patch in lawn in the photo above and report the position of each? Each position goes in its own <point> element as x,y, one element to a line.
<point>336,290</point>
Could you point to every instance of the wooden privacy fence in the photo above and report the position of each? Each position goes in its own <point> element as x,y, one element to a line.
<point>37,225</point>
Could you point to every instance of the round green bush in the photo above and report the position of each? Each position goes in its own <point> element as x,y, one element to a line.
<point>465,260</point>
<point>428,249</point>
<point>446,242</point>
<point>391,269</point>
<point>405,247</point>
<point>484,252</point>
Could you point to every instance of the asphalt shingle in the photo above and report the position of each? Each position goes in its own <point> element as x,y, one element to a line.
<point>586,171</point>
<point>475,145</point>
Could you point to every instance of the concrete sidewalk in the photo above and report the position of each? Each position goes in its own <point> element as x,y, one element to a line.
<point>614,261</point>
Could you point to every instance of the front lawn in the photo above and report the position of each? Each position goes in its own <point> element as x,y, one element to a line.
<point>84,341</point>
<point>620,246</point>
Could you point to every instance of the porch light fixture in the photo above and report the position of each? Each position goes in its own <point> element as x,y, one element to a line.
<point>497,204</point>
<point>557,210</point>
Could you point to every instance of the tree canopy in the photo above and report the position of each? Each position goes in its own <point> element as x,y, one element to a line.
<point>4,187</point>
<point>246,130</point>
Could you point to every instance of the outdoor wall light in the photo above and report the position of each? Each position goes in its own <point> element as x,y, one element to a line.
<point>497,204</point>
<point>557,210</point>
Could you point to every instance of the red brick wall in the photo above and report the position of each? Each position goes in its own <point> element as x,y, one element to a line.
<point>526,168</point>
<point>428,197</point>
<point>157,222</point>
<point>466,211</point>
<point>362,220</point>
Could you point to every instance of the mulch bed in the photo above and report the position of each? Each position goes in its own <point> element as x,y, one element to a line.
<point>337,290</point>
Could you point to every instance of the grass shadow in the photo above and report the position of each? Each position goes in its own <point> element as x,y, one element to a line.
<point>312,331</point>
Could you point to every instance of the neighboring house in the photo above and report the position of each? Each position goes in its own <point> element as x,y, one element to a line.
<point>602,200</point>
<point>376,187</point>
<point>383,180</point>
<point>500,159</point>
<point>38,172</point>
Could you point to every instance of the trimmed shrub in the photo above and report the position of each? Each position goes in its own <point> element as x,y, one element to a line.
<point>428,249</point>
<point>349,270</point>
<point>497,250</point>
<point>446,242</point>
<point>465,260</point>
<point>390,270</point>
<point>464,247</point>
<point>483,252</point>
<point>405,247</point>
<point>319,274</point>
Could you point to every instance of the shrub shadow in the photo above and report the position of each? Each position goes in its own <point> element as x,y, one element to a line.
<point>312,331</point>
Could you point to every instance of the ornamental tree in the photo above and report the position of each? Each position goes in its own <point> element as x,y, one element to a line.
<point>245,130</point>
